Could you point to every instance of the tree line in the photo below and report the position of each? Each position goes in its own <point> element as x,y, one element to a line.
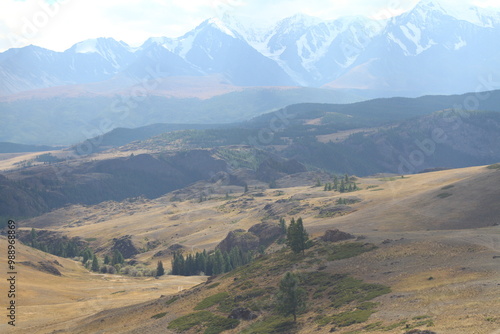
<point>341,185</point>
<point>213,263</point>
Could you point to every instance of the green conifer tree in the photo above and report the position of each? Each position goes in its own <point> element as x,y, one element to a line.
<point>297,236</point>
<point>117,257</point>
<point>283,225</point>
<point>291,298</point>
<point>160,271</point>
<point>95,264</point>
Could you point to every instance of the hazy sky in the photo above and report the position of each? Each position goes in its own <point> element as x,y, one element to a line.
<point>58,24</point>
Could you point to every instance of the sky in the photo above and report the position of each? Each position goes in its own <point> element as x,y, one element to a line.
<point>58,24</point>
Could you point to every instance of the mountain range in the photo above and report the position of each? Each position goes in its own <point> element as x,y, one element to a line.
<point>431,49</point>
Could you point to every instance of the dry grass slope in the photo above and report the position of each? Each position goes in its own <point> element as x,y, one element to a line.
<point>436,252</point>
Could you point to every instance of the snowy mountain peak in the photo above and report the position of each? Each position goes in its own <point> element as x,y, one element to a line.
<point>219,25</point>
<point>472,14</point>
<point>160,41</point>
<point>430,4</point>
<point>88,46</point>
<point>99,45</point>
<point>298,21</point>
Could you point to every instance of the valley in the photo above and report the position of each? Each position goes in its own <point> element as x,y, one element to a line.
<point>439,261</point>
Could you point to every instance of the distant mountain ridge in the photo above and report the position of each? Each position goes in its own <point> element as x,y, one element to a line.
<point>431,49</point>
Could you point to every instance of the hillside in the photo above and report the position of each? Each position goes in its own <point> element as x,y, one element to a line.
<point>437,253</point>
<point>49,285</point>
<point>304,119</point>
<point>322,138</point>
<point>33,187</point>
<point>331,138</point>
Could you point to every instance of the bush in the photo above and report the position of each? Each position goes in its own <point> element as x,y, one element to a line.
<point>214,324</point>
<point>273,324</point>
<point>211,301</point>
<point>159,315</point>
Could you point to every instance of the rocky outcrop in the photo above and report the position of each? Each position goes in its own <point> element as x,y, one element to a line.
<point>336,235</point>
<point>170,250</point>
<point>262,234</point>
<point>125,246</point>
<point>266,232</point>
<point>246,241</point>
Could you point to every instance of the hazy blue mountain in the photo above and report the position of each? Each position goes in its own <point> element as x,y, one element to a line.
<point>431,49</point>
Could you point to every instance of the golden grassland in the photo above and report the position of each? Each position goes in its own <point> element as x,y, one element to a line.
<point>435,252</point>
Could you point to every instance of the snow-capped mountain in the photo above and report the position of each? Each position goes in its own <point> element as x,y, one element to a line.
<point>430,49</point>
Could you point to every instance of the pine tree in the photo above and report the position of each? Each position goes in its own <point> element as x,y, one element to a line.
<point>227,263</point>
<point>209,269</point>
<point>297,236</point>
<point>106,259</point>
<point>235,257</point>
<point>87,254</point>
<point>291,298</point>
<point>178,264</point>
<point>335,183</point>
<point>302,235</point>
<point>318,183</point>
<point>33,236</point>
<point>283,225</point>
<point>218,263</point>
<point>290,233</point>
<point>160,271</point>
<point>95,264</point>
<point>117,257</point>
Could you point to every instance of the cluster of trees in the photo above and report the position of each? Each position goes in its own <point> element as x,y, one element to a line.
<point>70,248</point>
<point>63,247</point>
<point>110,264</point>
<point>214,263</point>
<point>47,158</point>
<point>343,185</point>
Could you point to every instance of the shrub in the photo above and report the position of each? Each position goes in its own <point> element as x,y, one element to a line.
<point>214,324</point>
<point>159,315</point>
<point>273,324</point>
<point>211,301</point>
